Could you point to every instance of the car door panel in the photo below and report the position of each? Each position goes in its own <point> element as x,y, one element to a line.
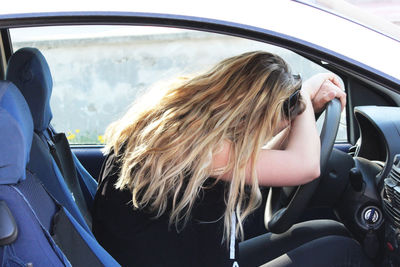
<point>91,158</point>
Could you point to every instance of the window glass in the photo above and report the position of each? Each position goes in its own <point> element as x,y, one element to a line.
<point>98,71</point>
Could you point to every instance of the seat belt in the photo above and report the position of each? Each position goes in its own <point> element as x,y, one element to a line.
<point>71,242</point>
<point>68,169</point>
<point>53,153</point>
<point>61,153</point>
<point>70,245</point>
<point>21,190</point>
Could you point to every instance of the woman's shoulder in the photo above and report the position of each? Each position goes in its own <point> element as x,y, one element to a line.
<point>111,167</point>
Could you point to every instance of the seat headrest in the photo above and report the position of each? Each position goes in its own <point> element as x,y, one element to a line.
<point>29,71</point>
<point>15,135</point>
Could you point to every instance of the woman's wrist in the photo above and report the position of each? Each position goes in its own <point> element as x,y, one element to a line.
<point>307,99</point>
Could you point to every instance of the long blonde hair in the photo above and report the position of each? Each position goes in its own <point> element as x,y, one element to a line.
<point>166,149</point>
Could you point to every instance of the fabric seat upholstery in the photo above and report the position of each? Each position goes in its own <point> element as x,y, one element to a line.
<point>29,71</point>
<point>37,214</point>
<point>15,142</point>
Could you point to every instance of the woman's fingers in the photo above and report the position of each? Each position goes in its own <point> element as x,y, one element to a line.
<point>322,88</point>
<point>342,97</point>
<point>314,84</point>
<point>333,78</point>
<point>337,92</point>
<point>327,91</point>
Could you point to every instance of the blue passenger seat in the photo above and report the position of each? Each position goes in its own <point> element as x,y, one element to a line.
<point>51,158</point>
<point>35,230</point>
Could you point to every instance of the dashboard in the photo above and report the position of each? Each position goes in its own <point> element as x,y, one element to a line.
<point>379,136</point>
<point>370,207</point>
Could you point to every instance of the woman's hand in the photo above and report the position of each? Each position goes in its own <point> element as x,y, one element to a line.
<point>322,88</point>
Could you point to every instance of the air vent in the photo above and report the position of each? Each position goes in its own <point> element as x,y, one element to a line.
<point>391,199</point>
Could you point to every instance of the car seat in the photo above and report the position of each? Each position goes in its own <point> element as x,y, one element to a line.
<point>35,230</point>
<point>58,168</point>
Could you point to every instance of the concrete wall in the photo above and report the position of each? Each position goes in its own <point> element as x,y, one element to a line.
<point>96,79</point>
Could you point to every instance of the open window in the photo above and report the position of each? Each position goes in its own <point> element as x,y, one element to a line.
<point>98,71</point>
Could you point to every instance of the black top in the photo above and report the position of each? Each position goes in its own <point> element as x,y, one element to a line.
<point>136,238</point>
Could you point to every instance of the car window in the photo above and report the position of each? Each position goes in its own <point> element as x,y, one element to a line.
<point>98,71</point>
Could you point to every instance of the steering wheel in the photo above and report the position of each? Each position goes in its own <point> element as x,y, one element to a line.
<point>284,207</point>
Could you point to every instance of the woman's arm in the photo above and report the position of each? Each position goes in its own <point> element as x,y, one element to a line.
<point>299,162</point>
<point>279,141</point>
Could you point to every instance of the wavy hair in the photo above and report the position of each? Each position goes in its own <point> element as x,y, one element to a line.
<point>166,148</point>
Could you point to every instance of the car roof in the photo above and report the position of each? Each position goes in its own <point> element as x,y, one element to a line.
<point>314,27</point>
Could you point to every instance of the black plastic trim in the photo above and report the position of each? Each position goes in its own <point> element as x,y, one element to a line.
<point>7,46</point>
<point>5,36</point>
<point>8,229</point>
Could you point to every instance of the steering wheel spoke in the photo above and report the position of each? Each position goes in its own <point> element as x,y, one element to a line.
<point>279,218</point>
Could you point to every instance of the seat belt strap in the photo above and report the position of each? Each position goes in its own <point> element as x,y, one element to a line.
<point>68,168</point>
<point>62,155</point>
<point>53,152</point>
<point>53,244</point>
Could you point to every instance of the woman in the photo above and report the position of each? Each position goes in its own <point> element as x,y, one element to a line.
<point>182,175</point>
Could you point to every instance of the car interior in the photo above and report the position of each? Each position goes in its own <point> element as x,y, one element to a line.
<point>48,182</point>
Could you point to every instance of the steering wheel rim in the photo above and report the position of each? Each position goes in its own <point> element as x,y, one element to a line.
<point>278,218</point>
